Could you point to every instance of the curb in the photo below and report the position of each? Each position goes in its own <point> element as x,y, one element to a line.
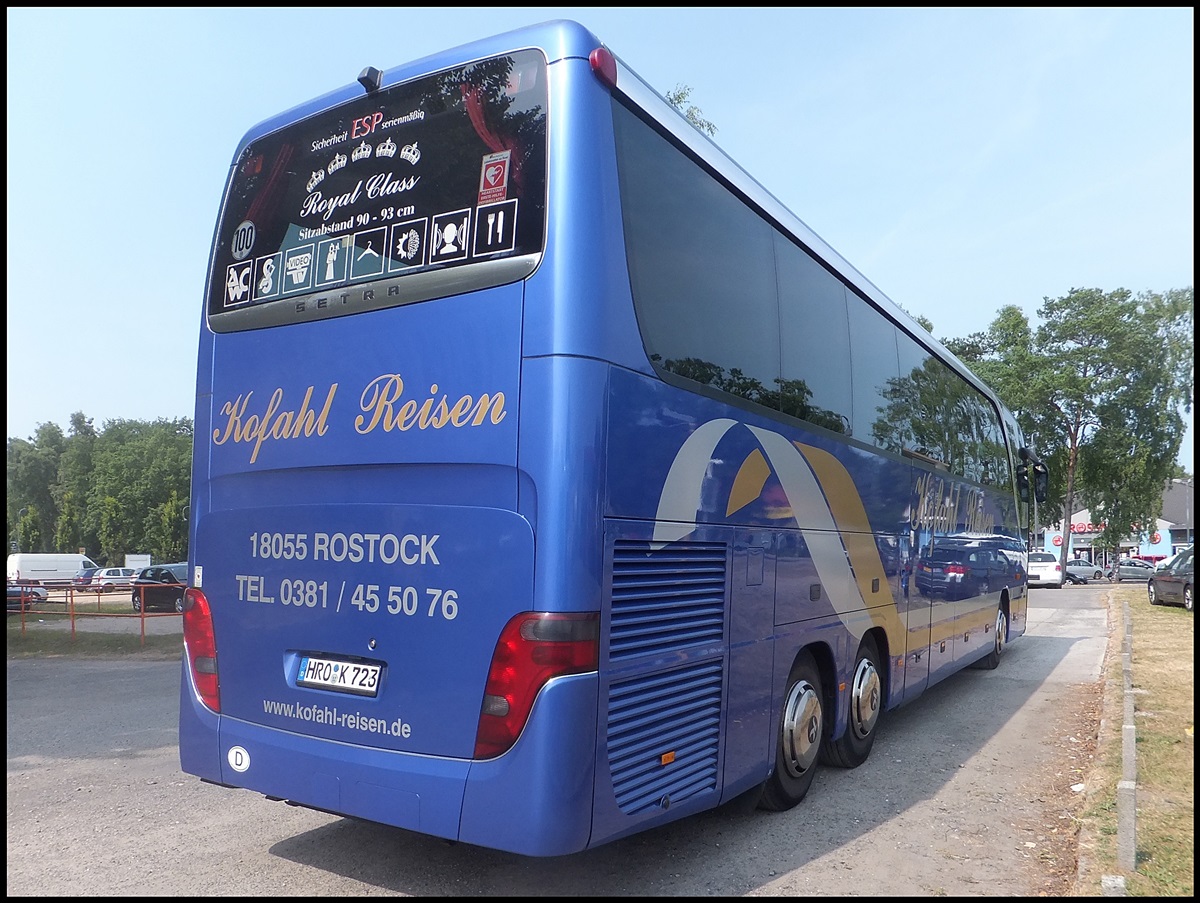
<point>1114,885</point>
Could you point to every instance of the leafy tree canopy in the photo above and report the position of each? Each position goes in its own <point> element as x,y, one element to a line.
<point>121,490</point>
<point>1098,388</point>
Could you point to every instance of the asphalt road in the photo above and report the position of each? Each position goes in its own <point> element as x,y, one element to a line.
<point>952,802</point>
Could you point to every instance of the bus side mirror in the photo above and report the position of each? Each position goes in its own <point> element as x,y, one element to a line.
<point>1041,482</point>
<point>1041,476</point>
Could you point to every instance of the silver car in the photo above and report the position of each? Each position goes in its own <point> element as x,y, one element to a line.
<point>1131,569</point>
<point>1080,570</point>
<point>106,580</point>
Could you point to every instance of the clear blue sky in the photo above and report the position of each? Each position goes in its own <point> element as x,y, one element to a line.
<point>962,159</point>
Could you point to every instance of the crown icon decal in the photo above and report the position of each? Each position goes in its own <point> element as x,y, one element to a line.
<point>410,153</point>
<point>361,152</point>
<point>336,163</point>
<point>386,149</point>
<point>317,178</point>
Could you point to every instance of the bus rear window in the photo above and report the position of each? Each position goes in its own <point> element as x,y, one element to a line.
<point>426,188</point>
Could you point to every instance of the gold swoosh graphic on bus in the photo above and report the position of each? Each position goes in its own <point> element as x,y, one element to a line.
<point>838,536</point>
<point>846,506</point>
<point>823,538</point>
<point>846,557</point>
<point>749,482</point>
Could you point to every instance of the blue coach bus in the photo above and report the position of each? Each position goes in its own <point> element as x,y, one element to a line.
<point>552,481</point>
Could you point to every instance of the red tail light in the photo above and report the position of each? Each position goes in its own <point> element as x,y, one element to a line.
<point>533,647</point>
<point>956,569</point>
<point>200,646</point>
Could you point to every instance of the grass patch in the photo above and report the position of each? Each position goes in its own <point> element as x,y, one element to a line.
<point>1163,679</point>
<point>42,636</point>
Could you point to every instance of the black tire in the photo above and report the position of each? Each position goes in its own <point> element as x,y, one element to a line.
<point>991,661</point>
<point>137,602</point>
<point>866,705</point>
<point>1153,593</point>
<point>1187,597</point>
<point>798,745</point>
<point>1099,575</point>
<point>179,605</point>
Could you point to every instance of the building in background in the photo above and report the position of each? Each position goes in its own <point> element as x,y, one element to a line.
<point>1173,531</point>
<point>1180,510</point>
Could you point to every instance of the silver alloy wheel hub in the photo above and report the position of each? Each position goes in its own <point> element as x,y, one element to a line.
<point>801,728</point>
<point>866,697</point>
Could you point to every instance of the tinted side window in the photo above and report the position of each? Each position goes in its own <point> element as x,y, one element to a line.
<point>722,297</point>
<point>918,406</point>
<point>874,370</point>
<point>727,300</point>
<point>814,337</point>
<point>701,268</point>
<point>941,415</point>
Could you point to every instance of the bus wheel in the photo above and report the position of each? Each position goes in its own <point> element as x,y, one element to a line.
<point>991,661</point>
<point>801,729</point>
<point>866,705</point>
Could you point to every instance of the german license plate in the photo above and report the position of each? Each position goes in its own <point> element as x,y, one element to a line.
<point>344,677</point>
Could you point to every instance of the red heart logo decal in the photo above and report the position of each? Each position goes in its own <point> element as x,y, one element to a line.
<point>494,173</point>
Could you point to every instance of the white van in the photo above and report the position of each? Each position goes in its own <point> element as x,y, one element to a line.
<point>45,568</point>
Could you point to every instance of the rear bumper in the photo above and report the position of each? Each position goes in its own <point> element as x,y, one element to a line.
<point>535,800</point>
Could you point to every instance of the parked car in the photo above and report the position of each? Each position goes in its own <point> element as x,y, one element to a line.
<point>1131,569</point>
<point>1164,563</point>
<point>25,593</point>
<point>105,580</point>
<point>1173,583</point>
<point>1080,570</point>
<point>160,587</point>
<point>83,579</point>
<point>1044,570</point>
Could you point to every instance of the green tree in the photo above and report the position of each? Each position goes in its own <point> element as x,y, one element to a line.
<point>678,98</point>
<point>32,476</point>
<point>110,492</point>
<point>71,488</point>
<point>140,484</point>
